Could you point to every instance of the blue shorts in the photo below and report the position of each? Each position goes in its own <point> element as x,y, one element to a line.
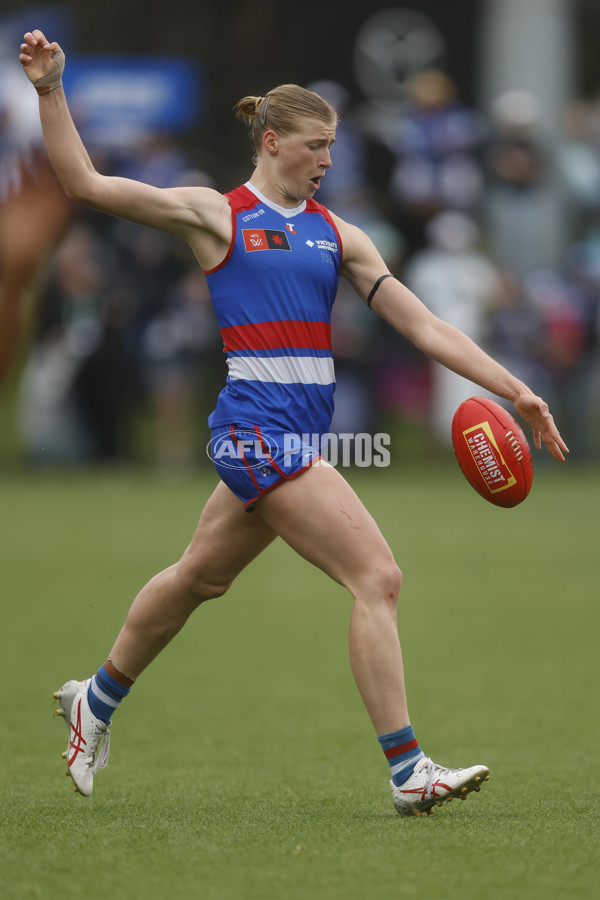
<point>252,462</point>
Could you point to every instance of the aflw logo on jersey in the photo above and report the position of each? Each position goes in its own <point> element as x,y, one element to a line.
<point>265,239</point>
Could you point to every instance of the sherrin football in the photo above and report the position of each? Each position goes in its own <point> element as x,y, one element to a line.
<point>492,451</point>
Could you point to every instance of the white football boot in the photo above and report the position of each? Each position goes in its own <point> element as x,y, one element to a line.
<point>430,785</point>
<point>85,732</point>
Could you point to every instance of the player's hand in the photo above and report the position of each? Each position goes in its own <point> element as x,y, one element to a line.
<point>535,411</point>
<point>39,57</point>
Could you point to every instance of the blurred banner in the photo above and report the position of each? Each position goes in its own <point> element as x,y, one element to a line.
<point>18,18</point>
<point>119,100</point>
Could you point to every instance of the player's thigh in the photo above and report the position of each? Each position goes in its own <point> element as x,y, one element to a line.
<point>226,540</point>
<point>323,519</point>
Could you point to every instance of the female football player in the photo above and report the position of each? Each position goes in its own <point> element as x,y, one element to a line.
<point>272,256</point>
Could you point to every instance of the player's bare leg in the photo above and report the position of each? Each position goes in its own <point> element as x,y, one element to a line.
<point>226,540</point>
<point>321,517</point>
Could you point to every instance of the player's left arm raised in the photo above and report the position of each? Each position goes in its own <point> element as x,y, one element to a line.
<point>363,266</point>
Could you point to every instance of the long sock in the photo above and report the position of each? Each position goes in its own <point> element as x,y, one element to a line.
<point>403,753</point>
<point>105,692</point>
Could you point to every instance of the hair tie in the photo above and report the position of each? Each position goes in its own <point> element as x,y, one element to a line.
<point>262,116</point>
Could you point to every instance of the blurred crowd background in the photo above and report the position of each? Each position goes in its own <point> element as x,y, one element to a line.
<point>468,148</point>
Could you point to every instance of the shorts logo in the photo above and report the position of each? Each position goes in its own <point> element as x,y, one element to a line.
<point>229,450</point>
<point>265,239</point>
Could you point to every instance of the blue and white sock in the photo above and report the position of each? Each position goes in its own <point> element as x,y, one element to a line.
<point>105,694</point>
<point>402,752</point>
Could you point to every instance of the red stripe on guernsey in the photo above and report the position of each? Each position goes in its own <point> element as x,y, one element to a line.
<point>313,206</point>
<point>231,246</point>
<point>403,748</point>
<point>239,199</point>
<point>276,335</point>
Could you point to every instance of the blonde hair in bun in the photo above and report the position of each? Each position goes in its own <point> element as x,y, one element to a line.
<point>280,110</point>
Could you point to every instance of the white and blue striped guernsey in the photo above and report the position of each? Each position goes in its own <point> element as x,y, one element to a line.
<point>273,294</point>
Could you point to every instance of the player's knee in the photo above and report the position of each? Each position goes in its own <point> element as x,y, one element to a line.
<point>212,590</point>
<point>198,585</point>
<point>381,583</point>
<point>391,582</point>
<point>388,581</point>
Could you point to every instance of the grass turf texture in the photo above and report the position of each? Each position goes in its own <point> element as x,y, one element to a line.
<point>243,764</point>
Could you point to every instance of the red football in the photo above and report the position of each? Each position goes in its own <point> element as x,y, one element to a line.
<point>492,451</point>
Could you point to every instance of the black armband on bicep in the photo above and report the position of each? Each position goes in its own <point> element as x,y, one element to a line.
<point>375,287</point>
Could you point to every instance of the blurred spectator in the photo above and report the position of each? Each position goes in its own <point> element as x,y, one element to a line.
<point>563,311</point>
<point>583,259</point>
<point>172,334</point>
<point>579,161</point>
<point>520,197</point>
<point>78,381</point>
<point>458,283</point>
<point>436,143</point>
<point>156,160</point>
<point>184,369</point>
<point>515,333</point>
<point>568,311</point>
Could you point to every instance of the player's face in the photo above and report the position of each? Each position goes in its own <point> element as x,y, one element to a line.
<point>303,158</point>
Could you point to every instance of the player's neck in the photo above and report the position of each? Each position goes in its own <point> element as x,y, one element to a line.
<point>273,204</point>
<point>266,187</point>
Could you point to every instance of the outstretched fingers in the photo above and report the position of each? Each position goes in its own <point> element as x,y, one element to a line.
<point>553,442</point>
<point>535,411</point>
<point>548,433</point>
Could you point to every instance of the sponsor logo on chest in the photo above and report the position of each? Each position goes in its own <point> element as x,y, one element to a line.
<point>265,239</point>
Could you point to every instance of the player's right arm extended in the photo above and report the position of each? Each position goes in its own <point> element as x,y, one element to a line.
<point>181,211</point>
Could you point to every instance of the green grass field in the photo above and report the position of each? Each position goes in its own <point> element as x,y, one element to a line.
<point>243,764</point>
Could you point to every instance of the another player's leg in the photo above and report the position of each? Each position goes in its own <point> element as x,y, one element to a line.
<point>226,540</point>
<point>321,517</point>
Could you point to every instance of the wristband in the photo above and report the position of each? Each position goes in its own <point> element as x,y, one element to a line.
<point>53,79</point>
